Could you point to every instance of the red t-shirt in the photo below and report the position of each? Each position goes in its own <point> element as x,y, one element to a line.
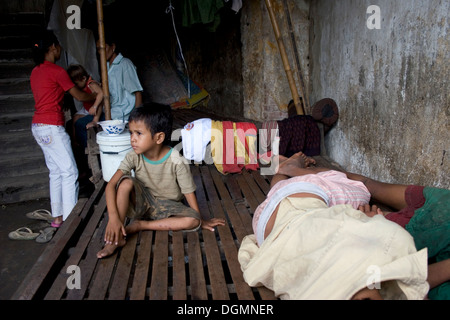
<point>49,82</point>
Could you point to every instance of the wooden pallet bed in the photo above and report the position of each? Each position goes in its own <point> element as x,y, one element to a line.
<point>155,265</point>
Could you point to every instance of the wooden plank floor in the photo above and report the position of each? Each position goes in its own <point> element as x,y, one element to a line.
<point>156,265</point>
<point>161,265</point>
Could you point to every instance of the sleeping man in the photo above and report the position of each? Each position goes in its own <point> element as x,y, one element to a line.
<point>310,241</point>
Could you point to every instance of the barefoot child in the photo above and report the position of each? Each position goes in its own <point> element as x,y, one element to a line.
<point>162,178</point>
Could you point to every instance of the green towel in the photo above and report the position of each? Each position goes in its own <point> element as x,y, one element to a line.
<point>430,228</point>
<point>205,12</point>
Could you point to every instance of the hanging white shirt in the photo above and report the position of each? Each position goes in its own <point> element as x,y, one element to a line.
<point>195,137</point>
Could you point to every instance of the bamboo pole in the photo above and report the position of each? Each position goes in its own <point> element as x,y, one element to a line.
<point>303,93</point>
<point>285,59</point>
<point>103,65</point>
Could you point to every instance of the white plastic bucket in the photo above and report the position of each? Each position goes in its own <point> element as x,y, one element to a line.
<point>113,149</point>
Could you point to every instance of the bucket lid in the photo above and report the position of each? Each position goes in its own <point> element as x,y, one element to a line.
<point>105,138</point>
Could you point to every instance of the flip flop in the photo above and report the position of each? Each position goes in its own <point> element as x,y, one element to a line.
<point>46,235</point>
<point>40,214</point>
<point>23,233</point>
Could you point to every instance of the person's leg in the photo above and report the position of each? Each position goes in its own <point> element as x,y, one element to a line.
<point>389,194</point>
<point>81,131</point>
<point>64,159</point>
<point>168,215</point>
<point>174,223</point>
<point>438,273</point>
<point>296,165</point>
<point>124,194</point>
<point>44,137</point>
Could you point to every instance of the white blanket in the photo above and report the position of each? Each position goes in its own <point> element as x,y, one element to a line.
<point>316,252</point>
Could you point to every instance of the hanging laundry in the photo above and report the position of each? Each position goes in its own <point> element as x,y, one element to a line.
<point>246,145</point>
<point>217,144</point>
<point>268,133</point>
<point>236,5</point>
<point>299,133</point>
<point>234,146</point>
<point>195,137</point>
<point>204,12</point>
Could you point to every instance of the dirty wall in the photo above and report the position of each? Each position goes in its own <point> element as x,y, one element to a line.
<point>391,85</point>
<point>265,85</point>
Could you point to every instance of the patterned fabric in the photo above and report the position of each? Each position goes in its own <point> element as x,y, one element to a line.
<point>299,133</point>
<point>233,146</point>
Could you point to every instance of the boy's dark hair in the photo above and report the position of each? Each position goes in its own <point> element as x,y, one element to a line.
<point>110,39</point>
<point>41,43</point>
<point>77,72</point>
<point>157,118</point>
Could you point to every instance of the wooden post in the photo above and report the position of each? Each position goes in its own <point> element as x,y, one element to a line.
<point>103,65</point>
<point>285,59</point>
<point>303,93</point>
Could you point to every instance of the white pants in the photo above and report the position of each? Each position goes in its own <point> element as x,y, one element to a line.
<point>55,143</point>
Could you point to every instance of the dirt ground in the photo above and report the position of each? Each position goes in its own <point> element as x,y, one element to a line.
<point>17,257</point>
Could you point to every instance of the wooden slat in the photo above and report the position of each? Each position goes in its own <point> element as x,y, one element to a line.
<point>158,287</point>
<point>229,205</point>
<point>252,201</point>
<point>41,269</point>
<point>179,270</point>
<point>139,286</point>
<point>242,289</point>
<point>259,195</point>
<point>59,284</point>
<point>196,276</point>
<point>261,181</point>
<point>102,277</point>
<point>240,216</point>
<point>216,274</point>
<point>88,264</point>
<point>233,188</point>
<point>119,284</point>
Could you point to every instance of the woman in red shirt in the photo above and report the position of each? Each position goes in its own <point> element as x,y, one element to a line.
<point>49,82</point>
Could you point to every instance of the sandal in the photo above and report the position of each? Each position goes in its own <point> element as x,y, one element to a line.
<point>46,235</point>
<point>40,214</point>
<point>23,233</point>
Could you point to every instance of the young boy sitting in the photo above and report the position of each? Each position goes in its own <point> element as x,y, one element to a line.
<point>162,178</point>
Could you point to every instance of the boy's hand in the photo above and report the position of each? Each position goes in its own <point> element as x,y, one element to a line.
<point>210,224</point>
<point>114,232</point>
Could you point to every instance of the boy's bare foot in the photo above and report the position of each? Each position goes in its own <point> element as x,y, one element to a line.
<point>109,249</point>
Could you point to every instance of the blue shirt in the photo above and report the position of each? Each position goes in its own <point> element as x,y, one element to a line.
<point>123,82</point>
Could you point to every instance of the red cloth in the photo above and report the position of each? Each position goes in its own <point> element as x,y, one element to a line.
<point>246,133</point>
<point>414,200</point>
<point>234,134</point>
<point>229,156</point>
<point>49,82</point>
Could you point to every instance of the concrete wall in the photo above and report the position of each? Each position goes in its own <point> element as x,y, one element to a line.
<point>391,86</point>
<point>214,60</point>
<point>265,86</point>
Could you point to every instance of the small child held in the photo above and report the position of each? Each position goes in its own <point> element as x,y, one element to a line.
<point>92,111</point>
<point>162,178</point>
